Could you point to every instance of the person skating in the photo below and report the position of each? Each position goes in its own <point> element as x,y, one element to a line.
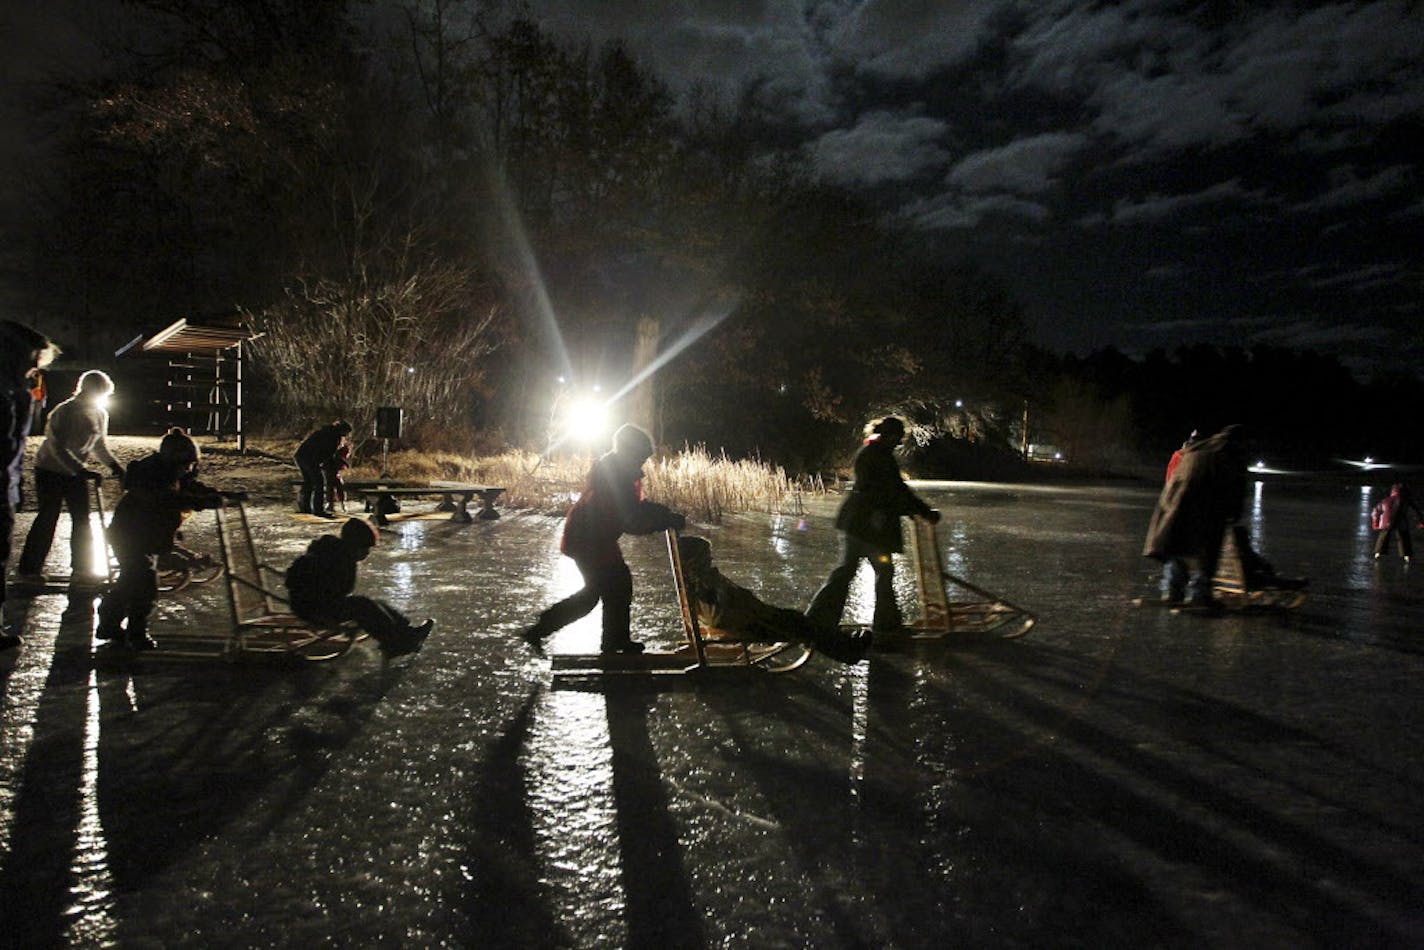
<point>1201,499</point>
<point>731,611</point>
<point>75,433</point>
<point>611,505</point>
<point>23,353</point>
<point>320,584</point>
<point>316,452</point>
<point>159,491</point>
<point>1392,515</point>
<point>869,521</point>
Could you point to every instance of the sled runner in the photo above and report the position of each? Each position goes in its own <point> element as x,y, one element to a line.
<point>703,648</point>
<point>950,606</point>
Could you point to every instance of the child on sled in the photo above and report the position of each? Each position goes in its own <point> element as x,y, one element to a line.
<point>320,585</point>
<point>160,490</point>
<point>729,611</point>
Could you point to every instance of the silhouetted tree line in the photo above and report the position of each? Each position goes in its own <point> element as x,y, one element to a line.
<point>1301,408</point>
<point>436,204</point>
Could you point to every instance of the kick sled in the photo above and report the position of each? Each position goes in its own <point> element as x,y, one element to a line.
<point>950,607</point>
<point>1245,581</point>
<point>703,649</point>
<point>261,625</point>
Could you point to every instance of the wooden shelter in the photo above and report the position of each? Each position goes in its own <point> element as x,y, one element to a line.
<point>203,385</point>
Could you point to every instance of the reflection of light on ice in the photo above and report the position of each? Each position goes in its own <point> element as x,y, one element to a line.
<point>859,674</point>
<point>569,768</point>
<point>92,921</point>
<point>19,704</point>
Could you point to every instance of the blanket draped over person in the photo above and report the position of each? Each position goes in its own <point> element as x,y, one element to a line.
<point>1202,497</point>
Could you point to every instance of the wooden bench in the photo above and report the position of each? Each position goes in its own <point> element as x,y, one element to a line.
<point>354,487</point>
<point>454,498</point>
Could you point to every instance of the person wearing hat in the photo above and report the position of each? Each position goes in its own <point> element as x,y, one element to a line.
<point>24,352</point>
<point>75,433</point>
<point>320,585</point>
<point>318,452</point>
<point>869,522</point>
<point>1197,505</point>
<point>726,610</point>
<point>160,490</point>
<point>611,506</point>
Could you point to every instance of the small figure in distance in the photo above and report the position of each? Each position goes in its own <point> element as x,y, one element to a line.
<point>24,352</point>
<point>611,505</point>
<point>869,521</point>
<point>160,490</point>
<point>1391,519</point>
<point>317,451</point>
<point>1201,499</point>
<point>320,585</point>
<point>75,433</point>
<point>729,611</point>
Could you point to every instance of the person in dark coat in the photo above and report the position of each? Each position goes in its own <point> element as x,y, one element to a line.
<point>1174,569</point>
<point>160,490</point>
<point>1393,514</point>
<point>869,521</point>
<point>728,611</point>
<point>320,449</point>
<point>1201,499</point>
<point>23,353</point>
<point>611,506</point>
<point>320,585</point>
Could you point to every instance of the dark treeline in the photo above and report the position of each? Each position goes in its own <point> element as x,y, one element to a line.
<point>436,204</point>
<point>1301,408</point>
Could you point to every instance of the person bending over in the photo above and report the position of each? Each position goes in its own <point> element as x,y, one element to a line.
<point>611,505</point>
<point>319,450</point>
<point>159,491</point>
<point>729,611</point>
<point>320,585</point>
<point>75,433</point>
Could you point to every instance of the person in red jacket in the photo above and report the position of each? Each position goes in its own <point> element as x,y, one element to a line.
<point>1393,516</point>
<point>611,506</point>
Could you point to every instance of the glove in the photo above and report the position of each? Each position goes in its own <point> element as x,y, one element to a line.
<point>93,476</point>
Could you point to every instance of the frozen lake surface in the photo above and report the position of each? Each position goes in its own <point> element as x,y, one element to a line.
<point>1121,777</point>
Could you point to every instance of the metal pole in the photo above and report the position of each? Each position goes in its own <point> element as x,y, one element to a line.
<point>241,433</point>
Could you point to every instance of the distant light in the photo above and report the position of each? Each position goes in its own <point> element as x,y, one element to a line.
<point>562,380</point>
<point>959,404</point>
<point>597,388</point>
<point>585,420</point>
<point>1369,460</point>
<point>1058,456</point>
<point>1260,463</point>
<point>410,369</point>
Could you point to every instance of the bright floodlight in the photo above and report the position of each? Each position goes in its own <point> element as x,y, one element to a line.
<point>1369,460</point>
<point>585,420</point>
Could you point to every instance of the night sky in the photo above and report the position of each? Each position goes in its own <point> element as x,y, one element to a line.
<point>1143,174</point>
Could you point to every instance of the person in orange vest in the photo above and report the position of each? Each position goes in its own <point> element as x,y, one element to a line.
<point>23,352</point>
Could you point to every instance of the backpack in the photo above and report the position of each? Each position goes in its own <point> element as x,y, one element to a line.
<point>1379,516</point>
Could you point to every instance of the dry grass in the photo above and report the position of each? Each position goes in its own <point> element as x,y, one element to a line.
<point>700,485</point>
<point>695,482</point>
